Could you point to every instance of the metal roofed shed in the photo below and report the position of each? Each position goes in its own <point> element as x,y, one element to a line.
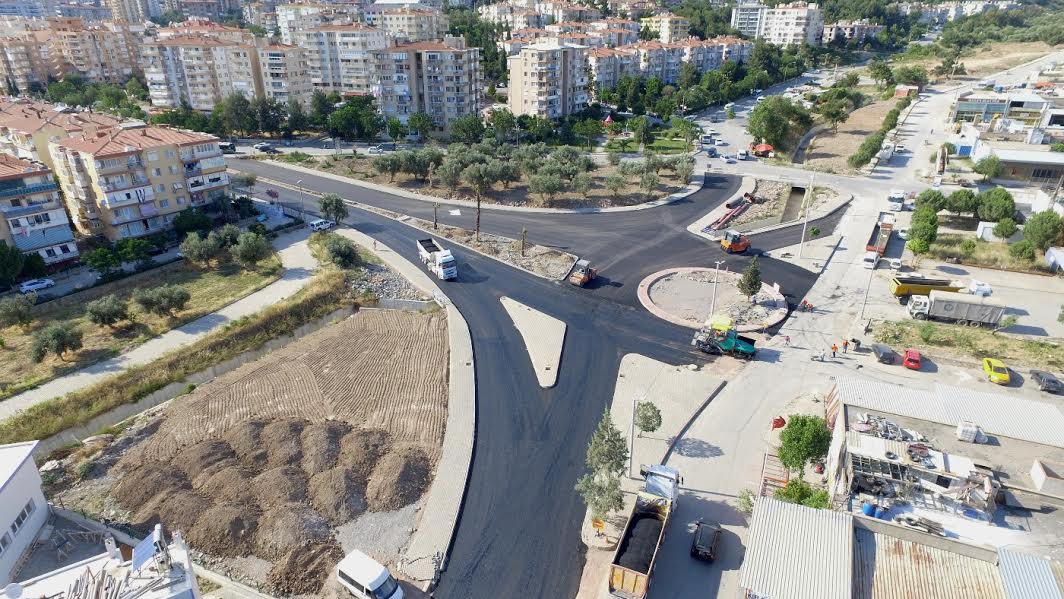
<point>795,552</point>
<point>1025,575</point>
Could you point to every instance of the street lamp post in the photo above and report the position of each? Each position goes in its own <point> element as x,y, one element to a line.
<point>302,212</point>
<point>631,434</point>
<point>716,277</point>
<point>805,223</point>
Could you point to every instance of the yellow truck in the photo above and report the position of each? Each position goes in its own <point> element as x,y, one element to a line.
<point>905,287</point>
<point>633,562</point>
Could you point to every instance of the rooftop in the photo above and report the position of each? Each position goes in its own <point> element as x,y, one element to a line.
<point>30,116</point>
<point>12,167</point>
<point>12,456</point>
<point>126,140</point>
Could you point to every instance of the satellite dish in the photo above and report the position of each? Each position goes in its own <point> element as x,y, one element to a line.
<point>13,590</point>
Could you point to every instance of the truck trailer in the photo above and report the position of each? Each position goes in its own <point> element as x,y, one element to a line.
<point>438,260</point>
<point>963,309</point>
<point>905,287</point>
<point>636,554</point>
<point>877,242</point>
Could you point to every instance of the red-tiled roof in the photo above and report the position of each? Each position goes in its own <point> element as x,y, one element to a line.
<point>119,141</point>
<point>17,168</point>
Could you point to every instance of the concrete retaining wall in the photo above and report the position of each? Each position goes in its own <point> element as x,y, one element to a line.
<point>125,411</point>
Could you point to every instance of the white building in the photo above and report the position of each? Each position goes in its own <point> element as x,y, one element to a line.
<point>747,18</point>
<point>23,509</point>
<point>784,25</point>
<point>548,80</point>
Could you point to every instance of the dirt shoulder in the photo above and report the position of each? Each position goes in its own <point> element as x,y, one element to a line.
<point>829,151</point>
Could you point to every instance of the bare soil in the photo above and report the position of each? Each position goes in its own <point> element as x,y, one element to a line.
<point>775,195</point>
<point>263,462</point>
<point>991,58</point>
<point>829,151</point>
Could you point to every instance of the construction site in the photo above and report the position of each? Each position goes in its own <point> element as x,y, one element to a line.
<point>274,470</point>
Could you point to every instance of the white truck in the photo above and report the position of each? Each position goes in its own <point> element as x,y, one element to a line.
<point>438,260</point>
<point>963,309</point>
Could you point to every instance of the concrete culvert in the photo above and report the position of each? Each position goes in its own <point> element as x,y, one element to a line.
<point>139,485</point>
<point>280,485</point>
<point>337,495</point>
<point>304,571</point>
<point>321,445</point>
<point>361,449</point>
<point>282,443</point>
<point>289,527</point>
<point>225,530</point>
<point>398,479</point>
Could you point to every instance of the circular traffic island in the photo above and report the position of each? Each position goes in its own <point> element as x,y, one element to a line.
<point>684,296</point>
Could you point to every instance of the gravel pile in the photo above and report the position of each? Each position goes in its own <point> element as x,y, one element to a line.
<point>385,283</point>
<point>743,311</point>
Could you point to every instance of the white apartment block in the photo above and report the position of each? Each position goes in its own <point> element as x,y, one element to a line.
<point>547,80</point>
<point>133,179</point>
<point>103,52</point>
<point>514,15</point>
<point>34,219</point>
<point>24,61</point>
<point>607,66</point>
<point>410,24</point>
<point>784,25</point>
<point>441,79</point>
<point>285,73</point>
<point>341,57</point>
<point>205,28</point>
<point>130,11</point>
<point>951,11</point>
<point>669,27</point>
<point>747,18</point>
<point>664,61</point>
<point>201,71</point>
<point>214,10</point>
<point>856,31</point>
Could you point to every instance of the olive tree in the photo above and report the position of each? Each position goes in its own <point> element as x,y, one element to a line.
<point>57,338</point>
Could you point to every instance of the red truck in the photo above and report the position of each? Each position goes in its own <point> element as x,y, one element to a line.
<point>881,232</point>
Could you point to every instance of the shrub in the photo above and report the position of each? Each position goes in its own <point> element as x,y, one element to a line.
<point>1023,250</point>
<point>17,309</point>
<point>228,235</point>
<point>57,338</point>
<point>614,158</point>
<point>250,249</point>
<point>1005,228</point>
<point>340,250</point>
<point>931,198</point>
<point>968,248</point>
<point>107,310</point>
<point>996,204</point>
<point>199,249</point>
<point>162,301</point>
<point>1043,229</point>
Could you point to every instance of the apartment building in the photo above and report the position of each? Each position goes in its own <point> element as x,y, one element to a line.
<point>614,23</point>
<point>103,52</point>
<point>294,20</point>
<point>215,10</point>
<point>24,61</point>
<point>204,28</point>
<point>855,31</point>
<point>607,66</point>
<point>547,80</point>
<point>341,57</point>
<point>559,10</point>
<point>285,73</point>
<point>442,79</point>
<point>794,23</point>
<point>33,9</point>
<point>654,59</point>
<point>201,71</point>
<point>668,27</point>
<point>130,11</point>
<point>133,179</point>
<point>748,18</point>
<point>410,24</point>
<point>90,13</point>
<point>514,15</point>
<point>28,126</point>
<point>262,14</point>
<point>34,219</point>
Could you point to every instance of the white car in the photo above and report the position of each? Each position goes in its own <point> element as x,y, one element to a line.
<point>320,225</point>
<point>263,147</point>
<point>898,149</point>
<point>903,233</point>
<point>727,158</point>
<point>35,285</point>
<point>720,142</point>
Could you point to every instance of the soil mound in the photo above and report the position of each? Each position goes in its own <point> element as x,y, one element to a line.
<point>276,486</point>
<point>138,485</point>
<point>227,485</point>
<point>289,527</point>
<point>337,496</point>
<point>203,456</point>
<point>176,511</point>
<point>281,440</point>
<point>245,439</point>
<point>303,571</point>
<point>321,445</point>
<point>399,479</point>
<point>225,530</point>
<point>361,449</point>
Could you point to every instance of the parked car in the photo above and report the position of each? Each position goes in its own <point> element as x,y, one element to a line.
<point>227,147</point>
<point>760,99</point>
<point>996,371</point>
<point>903,233</point>
<point>320,225</point>
<point>35,285</point>
<point>884,355</point>
<point>728,159</point>
<point>263,147</point>
<point>705,541</point>
<point>964,182</point>
<point>1046,382</point>
<point>742,155</point>
<point>719,142</point>
<point>898,149</point>
<point>911,359</point>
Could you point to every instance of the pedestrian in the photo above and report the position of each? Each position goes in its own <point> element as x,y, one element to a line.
<point>845,346</point>
<point>834,350</point>
<point>787,340</point>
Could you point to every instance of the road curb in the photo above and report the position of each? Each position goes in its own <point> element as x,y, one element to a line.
<point>426,553</point>
<point>643,293</point>
<point>695,185</point>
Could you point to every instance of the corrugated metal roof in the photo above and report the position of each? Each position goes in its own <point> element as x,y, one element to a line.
<point>1024,575</point>
<point>796,552</point>
<point>997,414</point>
<point>888,567</point>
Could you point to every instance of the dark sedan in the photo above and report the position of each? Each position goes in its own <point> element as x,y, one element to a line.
<point>1046,381</point>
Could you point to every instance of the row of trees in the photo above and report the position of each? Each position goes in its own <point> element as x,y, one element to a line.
<point>873,143</point>
<point>779,122</point>
<point>607,454</point>
<point>74,90</point>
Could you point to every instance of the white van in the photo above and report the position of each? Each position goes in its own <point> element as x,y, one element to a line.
<point>364,578</point>
<point>320,225</point>
<point>742,155</point>
<point>870,260</point>
<point>706,140</point>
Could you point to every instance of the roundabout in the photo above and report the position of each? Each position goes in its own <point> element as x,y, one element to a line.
<point>685,296</point>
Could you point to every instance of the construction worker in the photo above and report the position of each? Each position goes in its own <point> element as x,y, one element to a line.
<point>845,346</point>
<point>834,350</point>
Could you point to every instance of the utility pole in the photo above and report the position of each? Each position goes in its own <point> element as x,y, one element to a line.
<point>805,222</point>
<point>867,288</point>
<point>302,212</point>
<point>631,435</point>
<point>716,277</point>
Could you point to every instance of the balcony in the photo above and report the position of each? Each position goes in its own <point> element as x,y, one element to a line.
<point>28,189</point>
<point>121,166</point>
<point>16,212</point>
<point>133,182</point>
<point>201,183</point>
<point>131,196</point>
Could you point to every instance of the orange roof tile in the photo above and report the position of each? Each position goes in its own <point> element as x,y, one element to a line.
<point>17,168</point>
<point>118,141</point>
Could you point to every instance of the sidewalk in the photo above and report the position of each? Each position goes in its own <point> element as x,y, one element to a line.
<point>298,264</point>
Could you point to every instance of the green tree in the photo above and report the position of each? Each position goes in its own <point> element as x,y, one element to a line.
<point>333,207</point>
<point>341,251</point>
<point>589,129</point>
<point>640,130</point>
<point>968,248</point>
<point>420,123</point>
<point>396,128</point>
<point>996,204</point>
<point>776,121</point>
<point>615,184</point>
<point>931,198</point>
<point>480,178</point>
<point>107,310</point>
<point>798,491</point>
<point>199,249</point>
<point>647,417</point>
<point>1005,228</point>
<point>601,494</point>
<point>250,249</point>
<point>880,72</point>
<point>228,235</point>
<point>164,300</point>
<point>11,262</point>
<point>246,181</point>
<point>17,309</point>
<point>686,129</point>
<point>919,248</point>
<point>989,167</point>
<point>750,282</point>
<point>133,249</point>
<point>237,114</point>
<point>805,438</point>
<point>834,112</point>
<point>1022,249</point>
<point>269,114</point>
<point>450,175</point>
<point>102,260</point>
<point>685,169</point>
<point>504,123</point>
<point>1043,229</point>
<point>962,201</point>
<point>649,182</point>
<point>320,108</point>
<point>391,164</point>
<point>546,185</point>
<point>467,129</point>
<point>57,338</point>
<point>924,224</point>
<point>191,219</point>
<point>607,451</point>
<point>298,119</point>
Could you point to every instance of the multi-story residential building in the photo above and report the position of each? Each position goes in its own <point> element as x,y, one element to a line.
<point>90,13</point>
<point>547,80</point>
<point>34,219</point>
<point>294,20</point>
<point>27,127</point>
<point>614,23</point>
<point>441,79</point>
<point>668,27</point>
<point>341,56</point>
<point>29,9</point>
<point>607,66</point>
<point>794,23</point>
<point>856,31</point>
<point>130,11</point>
<point>133,179</point>
<point>514,15</point>
<point>201,71</point>
<point>261,13</point>
<point>102,52</point>
<point>214,10</point>
<point>950,11</point>
<point>204,28</point>
<point>285,73</point>
<point>748,18</point>
<point>560,10</point>
<point>24,61</point>
<point>410,24</point>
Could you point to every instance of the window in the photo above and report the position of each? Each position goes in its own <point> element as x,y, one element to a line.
<point>49,252</point>
<point>1044,173</point>
<point>351,581</point>
<point>171,154</point>
<point>173,170</point>
<point>64,248</point>
<point>21,518</point>
<point>153,156</point>
<point>180,200</point>
<point>15,223</point>
<point>5,541</point>
<point>164,203</point>
<point>157,172</point>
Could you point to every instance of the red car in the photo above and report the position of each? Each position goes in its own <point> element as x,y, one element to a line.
<point>911,359</point>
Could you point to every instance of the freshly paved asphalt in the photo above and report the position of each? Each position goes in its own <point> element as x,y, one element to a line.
<point>519,531</point>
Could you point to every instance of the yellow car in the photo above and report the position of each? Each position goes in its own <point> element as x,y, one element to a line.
<point>996,371</point>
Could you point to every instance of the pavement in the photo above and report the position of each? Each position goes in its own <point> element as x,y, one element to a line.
<point>298,265</point>
<point>544,338</point>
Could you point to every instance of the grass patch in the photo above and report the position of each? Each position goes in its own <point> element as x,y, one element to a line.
<point>660,145</point>
<point>324,294</point>
<point>971,343</point>
<point>210,289</point>
<point>989,254</point>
